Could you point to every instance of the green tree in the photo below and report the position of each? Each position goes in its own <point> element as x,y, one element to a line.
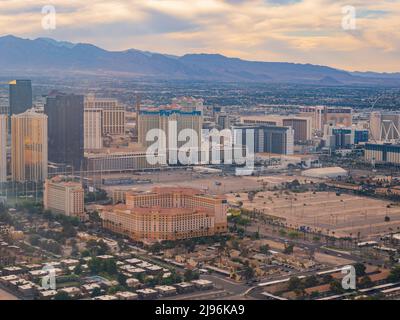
<point>110,266</point>
<point>94,217</point>
<point>265,249</point>
<point>394,275</point>
<point>311,281</point>
<point>190,275</point>
<point>289,249</point>
<point>248,272</point>
<point>294,283</point>
<point>78,269</point>
<point>336,287</point>
<point>34,239</point>
<point>360,269</point>
<point>96,292</point>
<point>95,265</point>
<point>365,282</point>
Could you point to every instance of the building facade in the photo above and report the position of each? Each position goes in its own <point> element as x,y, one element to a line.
<point>322,115</point>
<point>302,129</point>
<point>382,153</point>
<point>344,138</point>
<point>112,114</point>
<point>166,121</point>
<point>302,126</point>
<point>65,117</point>
<point>64,197</point>
<point>384,126</point>
<point>265,139</point>
<point>93,136</point>
<point>167,214</point>
<point>3,147</point>
<point>117,162</point>
<point>20,96</point>
<point>29,154</point>
<point>223,121</point>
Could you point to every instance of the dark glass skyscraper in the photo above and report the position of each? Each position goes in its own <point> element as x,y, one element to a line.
<point>20,96</point>
<point>65,128</point>
<point>269,139</point>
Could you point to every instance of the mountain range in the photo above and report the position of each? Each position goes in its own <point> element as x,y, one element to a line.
<point>46,56</point>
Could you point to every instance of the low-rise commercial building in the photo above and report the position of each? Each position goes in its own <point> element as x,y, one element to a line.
<point>117,161</point>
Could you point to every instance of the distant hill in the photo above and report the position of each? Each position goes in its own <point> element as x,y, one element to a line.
<point>45,55</point>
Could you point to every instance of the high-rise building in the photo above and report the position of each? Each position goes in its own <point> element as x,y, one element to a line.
<point>321,115</point>
<point>223,121</point>
<point>113,114</point>
<point>302,126</point>
<point>4,109</point>
<point>92,129</point>
<point>64,197</point>
<point>344,137</point>
<point>384,126</point>
<point>29,146</point>
<point>266,139</point>
<point>165,120</point>
<point>65,112</point>
<point>20,98</point>
<point>3,147</point>
<point>167,214</point>
<point>375,121</point>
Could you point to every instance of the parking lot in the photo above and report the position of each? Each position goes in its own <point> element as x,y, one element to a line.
<point>340,215</point>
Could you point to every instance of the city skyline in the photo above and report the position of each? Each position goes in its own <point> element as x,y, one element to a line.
<point>302,31</point>
<point>213,151</point>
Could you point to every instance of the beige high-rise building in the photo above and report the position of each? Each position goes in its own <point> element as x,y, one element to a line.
<point>3,147</point>
<point>375,123</point>
<point>321,115</point>
<point>92,129</point>
<point>64,197</point>
<point>112,116</point>
<point>29,155</point>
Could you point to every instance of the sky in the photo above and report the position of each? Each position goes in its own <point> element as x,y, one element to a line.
<point>302,31</point>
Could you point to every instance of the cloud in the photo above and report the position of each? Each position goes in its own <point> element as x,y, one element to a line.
<point>307,31</point>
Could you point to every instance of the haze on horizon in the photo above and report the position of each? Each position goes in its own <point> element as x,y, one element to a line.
<point>302,31</point>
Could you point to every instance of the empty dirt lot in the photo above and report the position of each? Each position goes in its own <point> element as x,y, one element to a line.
<point>344,215</point>
<point>212,183</point>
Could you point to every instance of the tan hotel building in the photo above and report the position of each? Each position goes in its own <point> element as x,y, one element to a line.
<point>3,147</point>
<point>64,197</point>
<point>29,154</point>
<point>112,116</point>
<point>167,214</point>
